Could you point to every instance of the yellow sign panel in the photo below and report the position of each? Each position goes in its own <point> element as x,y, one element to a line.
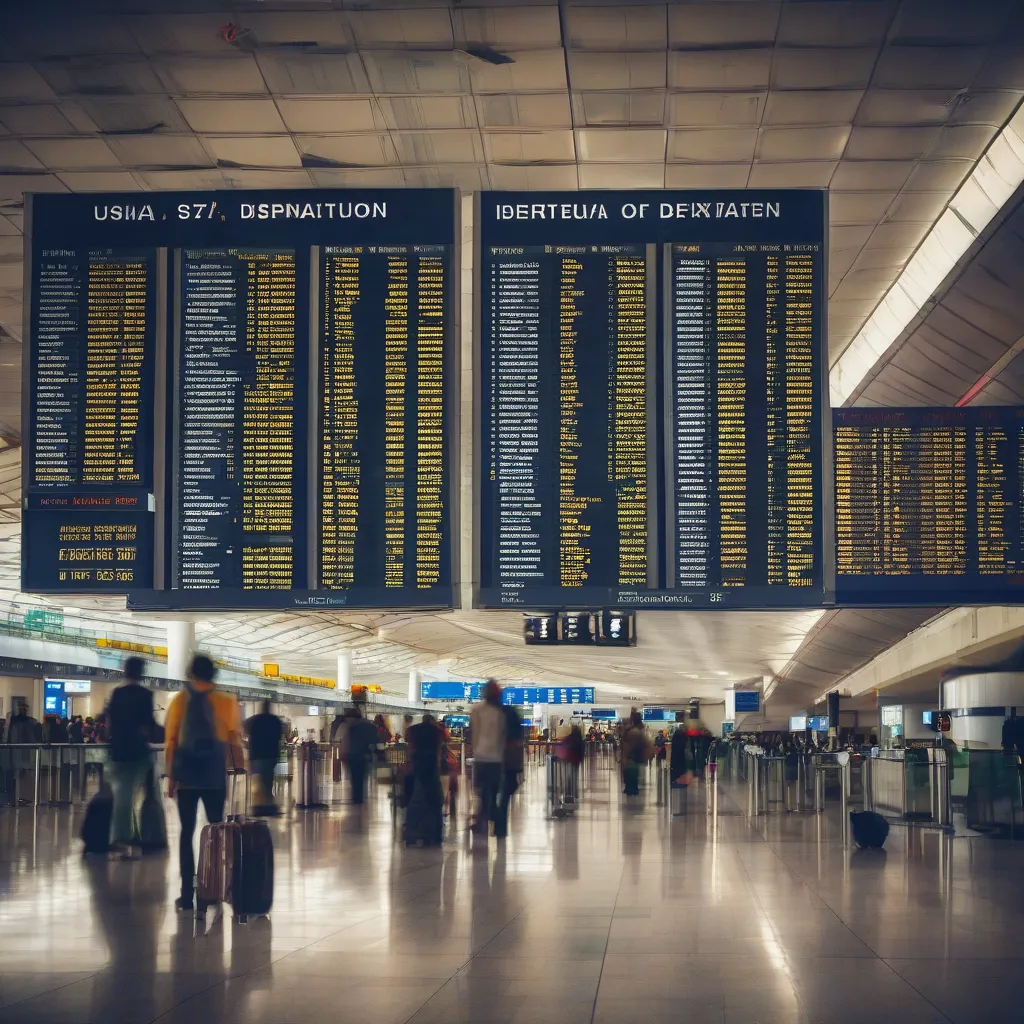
<point>272,671</point>
<point>128,645</point>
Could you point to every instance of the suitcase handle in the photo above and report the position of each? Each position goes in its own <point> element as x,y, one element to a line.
<point>232,795</point>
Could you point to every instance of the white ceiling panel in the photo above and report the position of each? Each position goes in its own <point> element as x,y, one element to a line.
<point>325,29</point>
<point>706,175</point>
<point>859,207</point>
<point>365,149</point>
<point>616,70</point>
<point>14,186</point>
<point>73,154</point>
<point>185,180</point>
<point>423,71</point>
<point>101,181</point>
<point>622,175</point>
<point>622,109</point>
<point>118,114</point>
<point>991,107</point>
<point>229,74</point>
<point>871,175</point>
<point>712,145</point>
<point>923,206</point>
<point>738,23</point>
<point>508,25</point>
<point>907,106</point>
<point>312,74</point>
<point>259,178</point>
<point>329,115</point>
<point>244,116</point>
<point>802,144</point>
<point>46,119</point>
<point>703,70</point>
<point>442,147</point>
<point>526,111</point>
<point>357,177</point>
<point>16,156</point>
<point>98,77</point>
<point>719,109</point>
<point>617,28</point>
<point>468,177</point>
<point>159,34</point>
<point>558,177</point>
<point>792,174</point>
<point>533,71</point>
<point>628,145</point>
<point>257,151</point>
<point>24,83</point>
<point>814,107</point>
<point>964,141</point>
<point>947,24</point>
<point>529,147</point>
<point>425,112</point>
<point>939,175</point>
<point>8,227</point>
<point>904,143</point>
<point>836,68</point>
<point>861,284</point>
<point>928,67</point>
<point>427,28</point>
<point>839,23</point>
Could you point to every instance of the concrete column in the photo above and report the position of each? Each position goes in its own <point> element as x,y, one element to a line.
<point>181,645</point>
<point>344,685</point>
<point>414,685</point>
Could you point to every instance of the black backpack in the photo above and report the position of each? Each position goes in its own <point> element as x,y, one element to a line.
<point>200,757</point>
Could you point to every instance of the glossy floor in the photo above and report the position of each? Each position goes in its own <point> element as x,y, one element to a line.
<point>619,914</point>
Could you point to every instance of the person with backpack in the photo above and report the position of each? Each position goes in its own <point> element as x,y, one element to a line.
<point>131,722</point>
<point>202,740</point>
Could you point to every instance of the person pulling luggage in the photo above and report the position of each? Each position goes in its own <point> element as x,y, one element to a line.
<point>203,733</point>
<point>130,724</point>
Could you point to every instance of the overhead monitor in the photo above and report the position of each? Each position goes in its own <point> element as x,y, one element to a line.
<point>451,691</point>
<point>798,723</point>
<point>77,687</point>
<point>523,695</point>
<point>603,714</point>
<point>658,714</point>
<point>818,723</point>
<point>651,372</point>
<point>928,506</point>
<point>241,399</point>
<point>748,701</point>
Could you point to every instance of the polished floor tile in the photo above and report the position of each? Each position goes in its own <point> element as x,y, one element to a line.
<point>619,914</point>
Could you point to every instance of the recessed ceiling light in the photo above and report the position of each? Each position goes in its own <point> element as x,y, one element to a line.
<point>722,673</point>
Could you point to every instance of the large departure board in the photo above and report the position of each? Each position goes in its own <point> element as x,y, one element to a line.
<point>651,376</point>
<point>242,399</point>
<point>929,505</point>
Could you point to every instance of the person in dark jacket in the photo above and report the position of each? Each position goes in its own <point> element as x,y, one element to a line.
<point>512,768</point>
<point>24,728</point>
<point>75,729</point>
<point>265,733</point>
<point>129,724</point>
<point>360,744</point>
<point>681,762</point>
<point>55,730</point>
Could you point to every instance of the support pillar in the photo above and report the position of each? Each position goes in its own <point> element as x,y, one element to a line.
<point>343,687</point>
<point>181,645</point>
<point>414,686</point>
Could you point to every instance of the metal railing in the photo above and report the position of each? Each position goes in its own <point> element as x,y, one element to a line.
<point>914,790</point>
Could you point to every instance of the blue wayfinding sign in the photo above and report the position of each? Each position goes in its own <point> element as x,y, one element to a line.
<point>518,695</point>
<point>748,701</point>
<point>451,691</point>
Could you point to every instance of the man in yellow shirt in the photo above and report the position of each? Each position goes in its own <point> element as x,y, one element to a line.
<point>203,740</point>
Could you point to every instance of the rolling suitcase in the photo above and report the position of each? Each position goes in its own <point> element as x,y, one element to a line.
<point>236,865</point>
<point>96,824</point>
<point>151,824</point>
<point>870,830</point>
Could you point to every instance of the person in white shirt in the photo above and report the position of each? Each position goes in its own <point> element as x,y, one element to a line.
<point>487,734</point>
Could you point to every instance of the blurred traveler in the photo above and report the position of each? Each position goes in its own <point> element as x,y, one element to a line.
<point>131,724</point>
<point>100,729</point>
<point>680,767</point>
<point>512,767</point>
<point>487,731</point>
<point>636,751</point>
<point>24,728</point>
<point>407,724</point>
<point>381,725</point>
<point>660,745</point>
<point>265,732</point>
<point>360,742</point>
<point>75,729</point>
<point>55,729</point>
<point>203,731</point>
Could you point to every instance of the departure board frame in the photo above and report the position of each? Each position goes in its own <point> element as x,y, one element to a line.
<point>235,331</point>
<point>929,505</point>
<point>546,267</point>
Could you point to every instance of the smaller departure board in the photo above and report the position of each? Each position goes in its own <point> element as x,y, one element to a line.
<point>929,505</point>
<point>90,418</point>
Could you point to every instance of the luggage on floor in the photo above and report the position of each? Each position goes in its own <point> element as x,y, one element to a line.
<point>423,818</point>
<point>870,830</point>
<point>96,824</point>
<point>236,862</point>
<point>151,824</point>
<point>236,866</point>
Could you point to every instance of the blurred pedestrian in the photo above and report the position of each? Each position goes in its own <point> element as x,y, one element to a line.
<point>487,730</point>
<point>265,732</point>
<point>512,768</point>
<point>203,738</point>
<point>75,729</point>
<point>24,728</point>
<point>131,724</point>
<point>637,750</point>
<point>360,743</point>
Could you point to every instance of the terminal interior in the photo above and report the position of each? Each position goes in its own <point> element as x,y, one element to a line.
<point>742,897</point>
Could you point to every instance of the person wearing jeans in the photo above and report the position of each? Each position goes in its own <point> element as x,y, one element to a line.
<point>131,725</point>
<point>487,732</point>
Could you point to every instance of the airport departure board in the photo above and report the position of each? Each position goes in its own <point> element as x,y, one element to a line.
<point>929,505</point>
<point>651,375</point>
<point>242,399</point>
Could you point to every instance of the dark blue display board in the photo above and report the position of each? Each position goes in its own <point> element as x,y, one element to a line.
<point>519,695</point>
<point>748,701</point>
<point>658,714</point>
<point>818,723</point>
<point>451,691</point>
<point>651,372</point>
<point>929,506</point>
<point>241,399</point>
<point>603,714</point>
